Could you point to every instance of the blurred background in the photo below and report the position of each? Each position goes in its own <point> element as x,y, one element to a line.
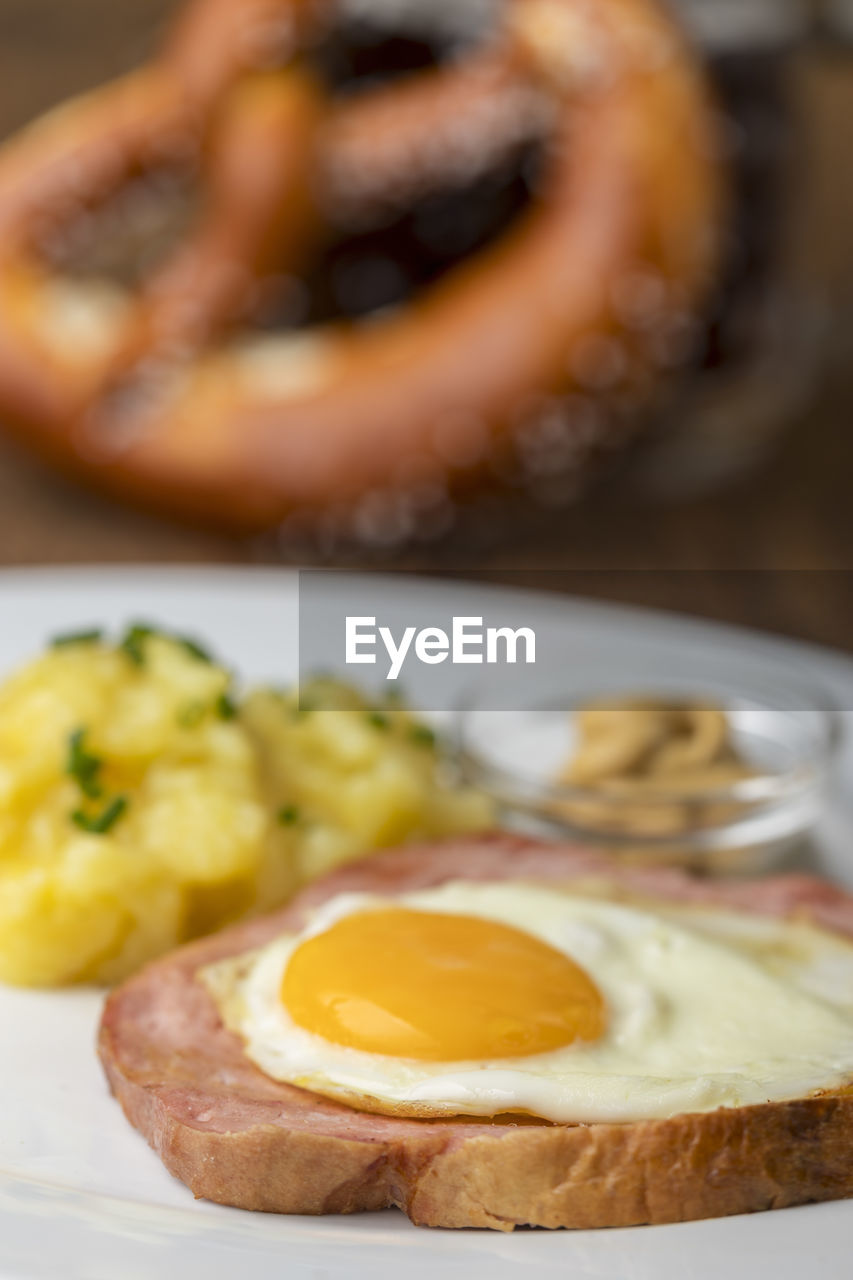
<point>753,468</point>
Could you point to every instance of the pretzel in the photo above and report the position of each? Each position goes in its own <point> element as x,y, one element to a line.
<point>523,360</point>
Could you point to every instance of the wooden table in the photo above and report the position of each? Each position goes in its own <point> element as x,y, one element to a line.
<point>771,549</point>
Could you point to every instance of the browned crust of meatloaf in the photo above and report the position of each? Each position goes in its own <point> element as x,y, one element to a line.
<point>237,1137</point>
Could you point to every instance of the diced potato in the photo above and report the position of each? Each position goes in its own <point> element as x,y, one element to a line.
<point>350,778</point>
<point>194,846</point>
<point>140,807</point>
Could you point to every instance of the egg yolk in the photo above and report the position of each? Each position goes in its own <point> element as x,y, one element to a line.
<point>439,988</point>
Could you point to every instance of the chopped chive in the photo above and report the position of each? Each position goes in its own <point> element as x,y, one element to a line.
<point>226,707</point>
<point>194,649</point>
<point>83,767</point>
<point>100,823</point>
<point>378,720</point>
<point>423,735</point>
<point>288,815</point>
<point>63,641</point>
<point>191,715</point>
<point>132,642</point>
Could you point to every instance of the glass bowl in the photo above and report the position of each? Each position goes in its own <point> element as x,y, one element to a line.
<point>787,740</point>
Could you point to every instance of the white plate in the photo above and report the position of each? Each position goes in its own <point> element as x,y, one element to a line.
<point>82,1197</point>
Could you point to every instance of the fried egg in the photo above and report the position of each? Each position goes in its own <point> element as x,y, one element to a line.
<point>484,998</point>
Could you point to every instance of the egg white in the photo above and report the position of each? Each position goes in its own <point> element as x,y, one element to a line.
<point>705,1009</point>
